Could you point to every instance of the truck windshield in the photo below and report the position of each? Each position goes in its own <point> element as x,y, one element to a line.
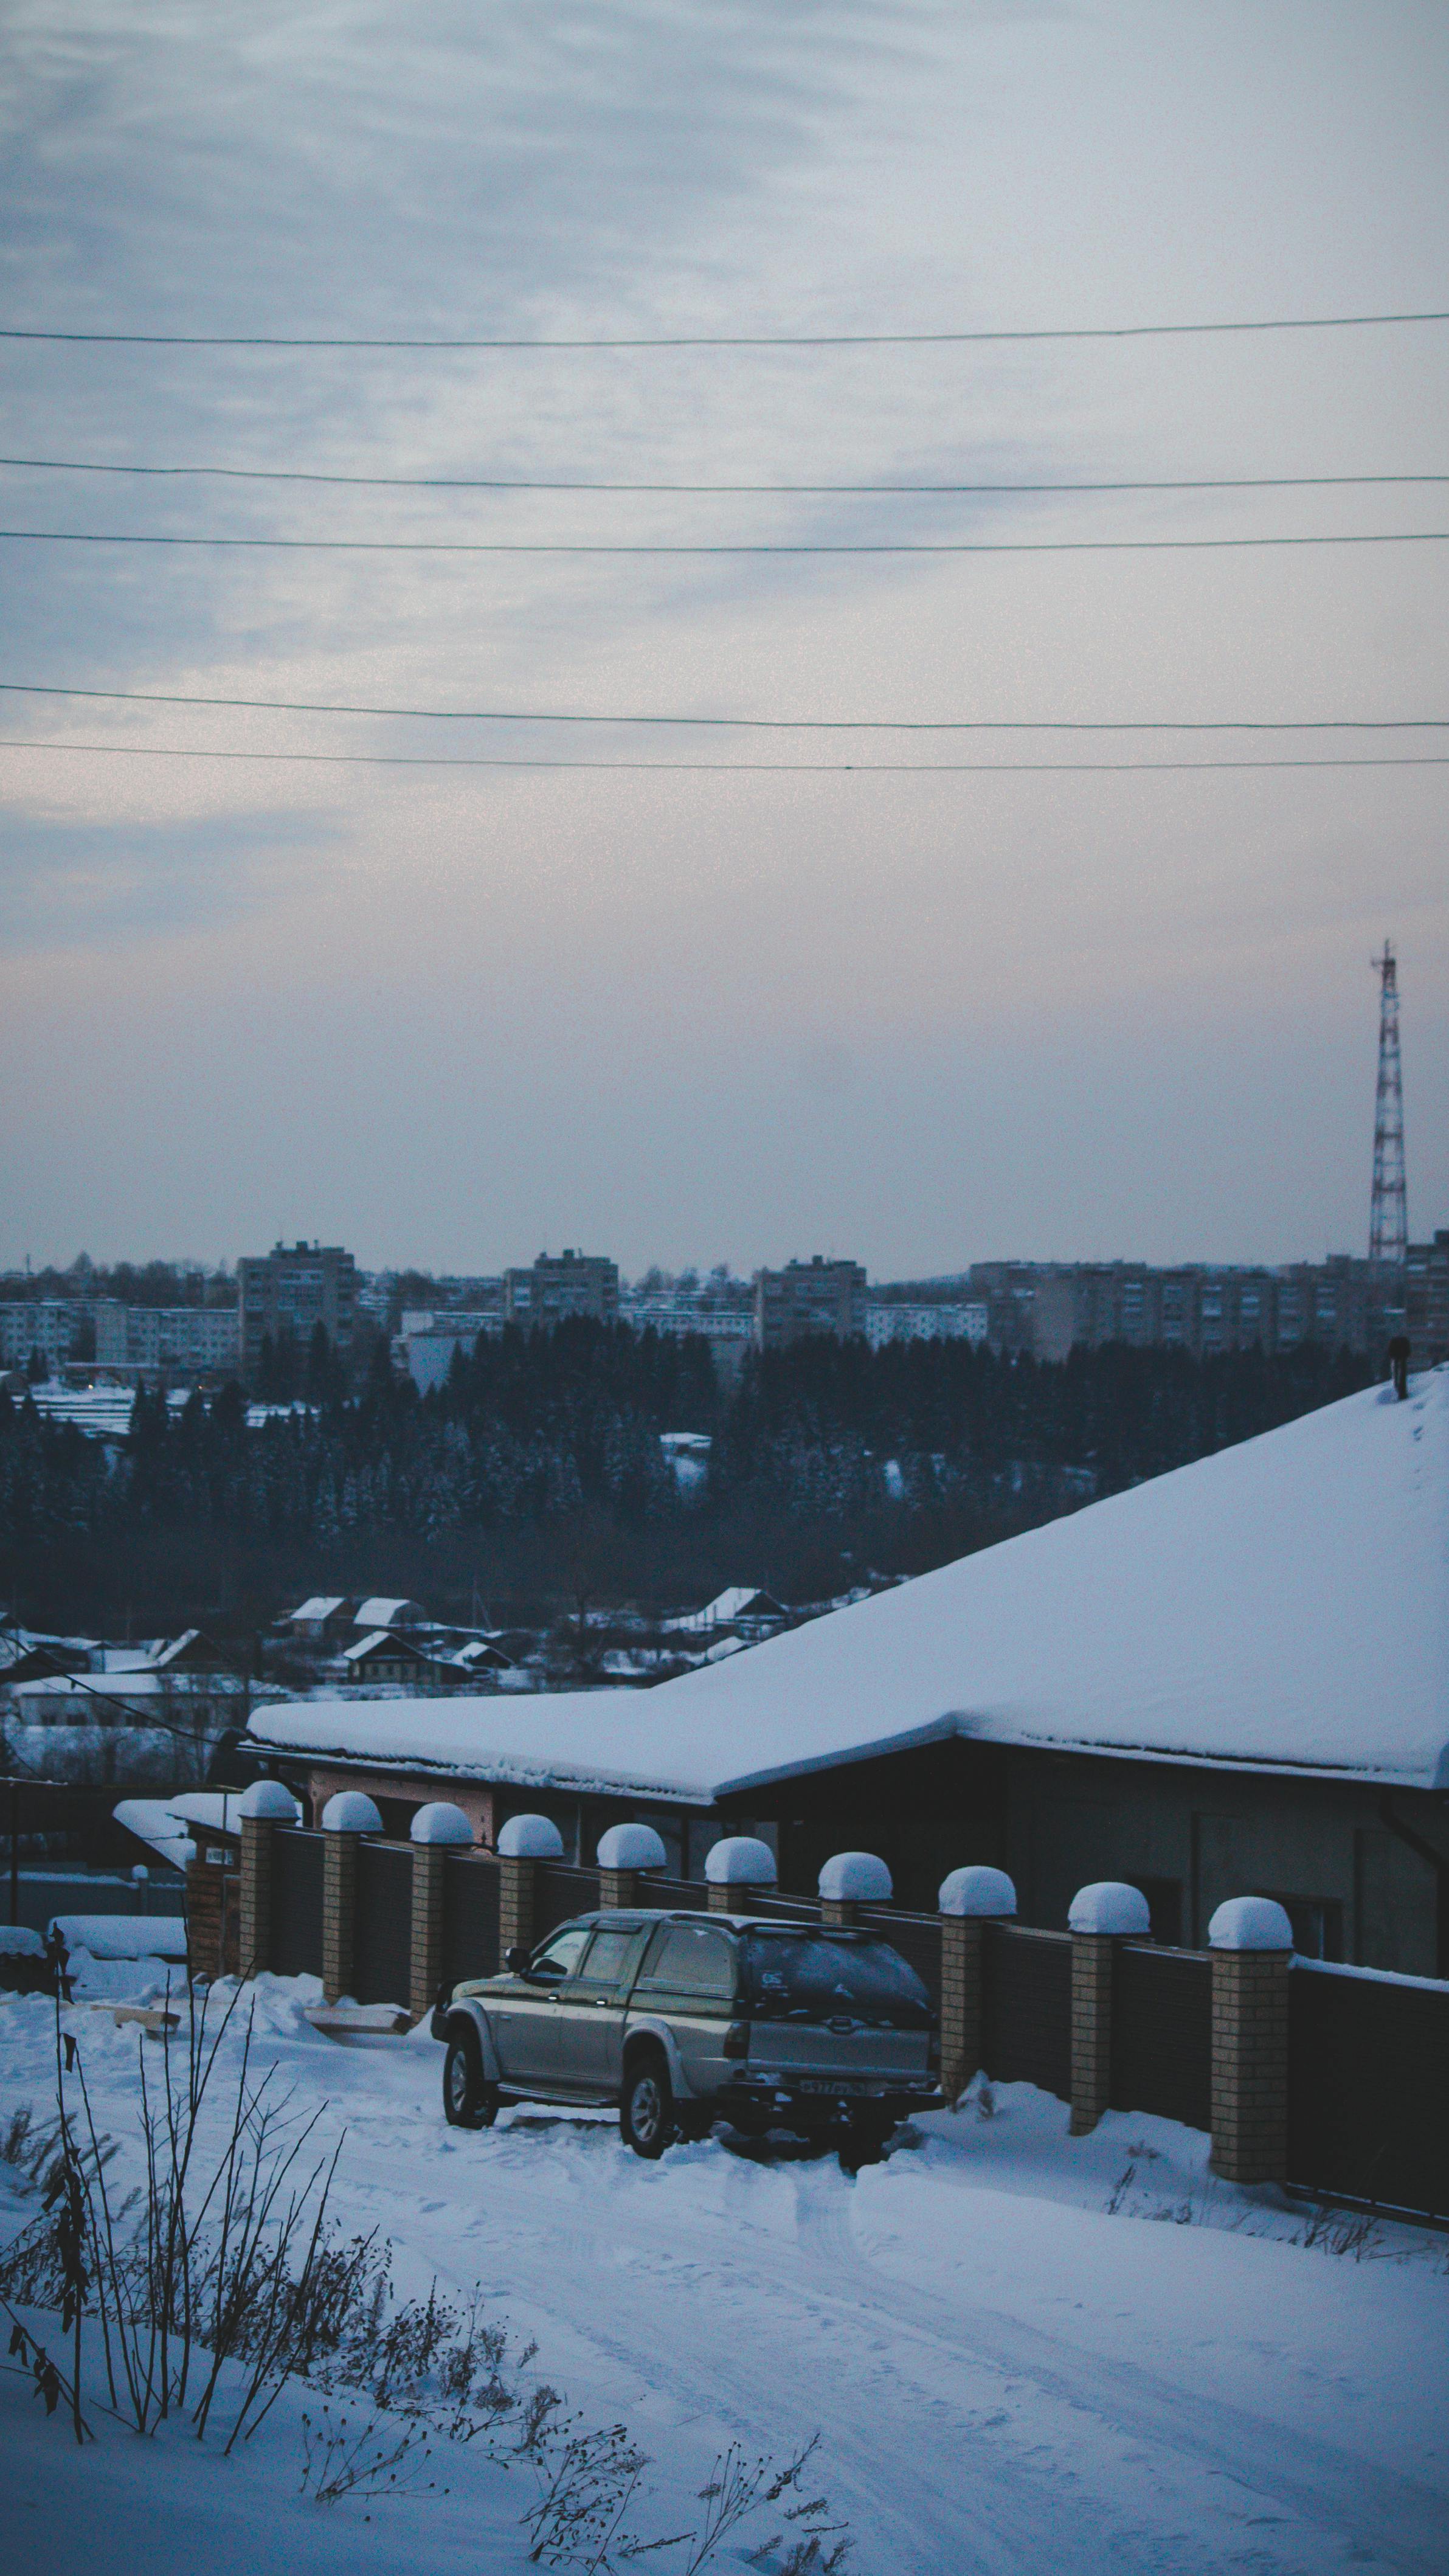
<point>807,1976</point>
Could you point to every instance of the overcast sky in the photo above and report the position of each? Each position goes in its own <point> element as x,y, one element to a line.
<point>453,1016</point>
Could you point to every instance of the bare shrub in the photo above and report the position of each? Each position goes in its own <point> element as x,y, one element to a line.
<point>340,2460</point>
<point>1355,2233</point>
<point>210,2258</point>
<point>587,2480</point>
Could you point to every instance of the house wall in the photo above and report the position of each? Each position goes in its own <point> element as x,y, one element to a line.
<point>1189,1837</point>
<point>1355,1891</point>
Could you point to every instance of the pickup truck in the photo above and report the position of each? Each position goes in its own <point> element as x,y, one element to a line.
<point>683,2019</point>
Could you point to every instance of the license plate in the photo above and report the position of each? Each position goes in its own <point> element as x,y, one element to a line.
<point>835,2084</point>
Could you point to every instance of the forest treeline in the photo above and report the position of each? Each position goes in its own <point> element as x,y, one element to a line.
<point>537,1472</point>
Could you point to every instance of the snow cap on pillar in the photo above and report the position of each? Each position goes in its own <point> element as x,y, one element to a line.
<point>855,1878</point>
<point>632,1847</point>
<point>1250,1923</point>
<point>440,1822</point>
<point>741,1860</point>
<point>268,1801</point>
<point>977,1890</point>
<point>351,1812</point>
<point>1110,1905</point>
<point>530,1838</point>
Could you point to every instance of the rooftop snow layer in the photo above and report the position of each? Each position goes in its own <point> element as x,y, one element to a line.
<point>604,1739</point>
<point>1283,1605</point>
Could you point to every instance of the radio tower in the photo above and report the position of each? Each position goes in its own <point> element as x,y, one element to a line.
<point>1388,1214</point>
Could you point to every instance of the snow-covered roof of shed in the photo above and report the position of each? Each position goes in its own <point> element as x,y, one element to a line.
<point>379,1611</point>
<point>1283,1605</point>
<point>318,1605</point>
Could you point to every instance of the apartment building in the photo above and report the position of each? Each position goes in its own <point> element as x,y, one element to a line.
<point>1202,1308</point>
<point>815,1296</point>
<point>292,1289</point>
<point>201,1338</point>
<point>1426,1300</point>
<point>561,1285</point>
<point>50,1325</point>
<point>904,1321</point>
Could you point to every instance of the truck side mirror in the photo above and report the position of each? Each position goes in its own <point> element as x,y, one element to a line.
<point>516,1960</point>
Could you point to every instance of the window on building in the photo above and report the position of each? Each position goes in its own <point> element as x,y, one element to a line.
<point>1164,1905</point>
<point>1317,1923</point>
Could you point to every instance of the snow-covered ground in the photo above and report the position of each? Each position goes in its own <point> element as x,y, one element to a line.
<point>1007,2374</point>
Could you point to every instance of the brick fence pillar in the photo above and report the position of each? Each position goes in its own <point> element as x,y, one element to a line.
<point>256,1894</point>
<point>624,1852</point>
<point>1100,1917</point>
<point>969,1899</point>
<point>1251,1941</point>
<point>436,1830</point>
<point>522,1844</point>
<point>738,1872</point>
<point>204,1910</point>
<point>261,1808</point>
<point>849,1880</point>
<point>345,1819</point>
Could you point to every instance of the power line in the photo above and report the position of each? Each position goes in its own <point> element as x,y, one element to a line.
<point>725,340</point>
<point>589,546</point>
<point>745,724</point>
<point>530,483</point>
<point>726,768</point>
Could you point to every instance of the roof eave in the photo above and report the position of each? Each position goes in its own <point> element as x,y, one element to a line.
<point>957,1726</point>
<point>500,1771</point>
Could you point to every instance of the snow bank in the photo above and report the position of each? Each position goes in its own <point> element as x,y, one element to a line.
<point>123,1936</point>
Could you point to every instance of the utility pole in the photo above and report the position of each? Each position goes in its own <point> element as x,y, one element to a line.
<point>1388,1213</point>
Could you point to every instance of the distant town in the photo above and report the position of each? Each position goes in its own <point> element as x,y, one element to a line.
<point>279,1313</point>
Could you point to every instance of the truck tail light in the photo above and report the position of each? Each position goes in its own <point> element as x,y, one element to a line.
<point>737,2039</point>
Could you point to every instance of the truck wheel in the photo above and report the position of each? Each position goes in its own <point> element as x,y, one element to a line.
<point>862,2142</point>
<point>469,2102</point>
<point>646,2107</point>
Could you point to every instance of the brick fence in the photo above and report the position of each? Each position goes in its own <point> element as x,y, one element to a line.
<point>1329,2080</point>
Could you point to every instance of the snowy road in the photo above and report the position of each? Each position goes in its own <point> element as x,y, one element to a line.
<point>1004,2376</point>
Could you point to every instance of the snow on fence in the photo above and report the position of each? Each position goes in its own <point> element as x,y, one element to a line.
<point>1333,2081</point>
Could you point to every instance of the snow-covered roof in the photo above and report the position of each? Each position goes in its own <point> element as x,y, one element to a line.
<point>1282,1606</point>
<point>375,1637</point>
<point>531,1739</point>
<point>317,1606</point>
<point>379,1612</point>
<point>122,1688</point>
<point>154,1822</point>
<point>738,1601</point>
<point>167,1649</point>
